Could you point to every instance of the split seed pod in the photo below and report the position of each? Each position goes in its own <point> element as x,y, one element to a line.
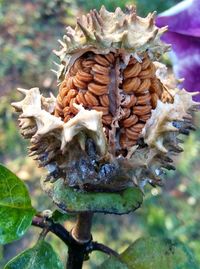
<point>116,119</point>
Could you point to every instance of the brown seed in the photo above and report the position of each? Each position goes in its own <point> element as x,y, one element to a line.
<point>132,102</point>
<point>64,92</point>
<point>107,119</point>
<point>138,127</point>
<point>72,108</point>
<point>110,57</point>
<point>141,110</point>
<point>125,142</point>
<point>81,99</point>
<point>101,60</point>
<point>79,83</point>
<point>71,94</point>
<point>97,89</point>
<point>69,83</point>
<point>103,109</point>
<point>148,73</point>
<point>156,86</point>
<point>104,100</point>
<point>66,111</point>
<point>77,65</point>
<point>59,100</point>
<point>154,100</point>
<point>91,99</point>
<point>130,121</point>
<point>102,79</point>
<point>132,61</point>
<point>145,63</point>
<point>131,134</point>
<point>144,99</point>
<point>144,86</point>
<point>144,118</point>
<point>83,76</point>
<point>68,117</point>
<point>88,63</point>
<point>131,85</point>
<point>100,69</point>
<point>132,70</point>
<point>87,69</point>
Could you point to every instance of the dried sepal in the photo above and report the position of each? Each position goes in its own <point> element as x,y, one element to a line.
<point>163,118</point>
<point>104,31</point>
<point>36,114</point>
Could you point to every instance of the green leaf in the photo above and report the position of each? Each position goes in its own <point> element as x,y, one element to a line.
<point>113,263</point>
<point>41,256</point>
<point>16,212</point>
<point>153,253</point>
<point>58,216</point>
<point>156,253</point>
<point>73,201</point>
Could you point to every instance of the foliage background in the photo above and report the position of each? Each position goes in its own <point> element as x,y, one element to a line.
<point>29,31</point>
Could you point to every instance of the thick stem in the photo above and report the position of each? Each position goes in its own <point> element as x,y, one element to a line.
<point>82,229</point>
<point>79,242</point>
<point>76,254</point>
<point>81,233</point>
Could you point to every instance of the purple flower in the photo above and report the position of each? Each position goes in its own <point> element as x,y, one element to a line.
<point>183,34</point>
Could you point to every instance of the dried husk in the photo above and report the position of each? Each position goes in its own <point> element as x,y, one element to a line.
<point>78,152</point>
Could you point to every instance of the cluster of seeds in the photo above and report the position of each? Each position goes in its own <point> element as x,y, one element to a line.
<point>124,94</point>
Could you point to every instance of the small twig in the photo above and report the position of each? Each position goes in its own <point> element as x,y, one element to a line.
<point>101,247</point>
<point>55,228</point>
<point>78,248</point>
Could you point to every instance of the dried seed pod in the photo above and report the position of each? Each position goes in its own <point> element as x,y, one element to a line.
<point>128,115</point>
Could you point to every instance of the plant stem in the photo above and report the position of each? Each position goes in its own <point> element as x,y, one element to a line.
<point>55,228</point>
<point>82,229</point>
<point>100,247</point>
<point>79,241</point>
<point>81,234</point>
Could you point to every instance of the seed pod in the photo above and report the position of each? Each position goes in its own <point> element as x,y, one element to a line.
<point>114,101</point>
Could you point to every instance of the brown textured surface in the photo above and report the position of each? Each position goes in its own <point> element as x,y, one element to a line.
<point>92,82</point>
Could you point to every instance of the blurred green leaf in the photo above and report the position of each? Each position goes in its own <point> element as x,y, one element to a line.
<point>41,256</point>
<point>16,212</point>
<point>113,263</point>
<point>75,201</point>
<point>153,253</point>
<point>58,216</point>
<point>156,253</point>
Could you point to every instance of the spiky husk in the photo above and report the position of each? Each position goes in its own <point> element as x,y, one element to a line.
<point>103,32</point>
<point>76,147</point>
<point>77,150</point>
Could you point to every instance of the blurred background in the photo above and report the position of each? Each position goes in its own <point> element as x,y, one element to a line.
<point>28,33</point>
